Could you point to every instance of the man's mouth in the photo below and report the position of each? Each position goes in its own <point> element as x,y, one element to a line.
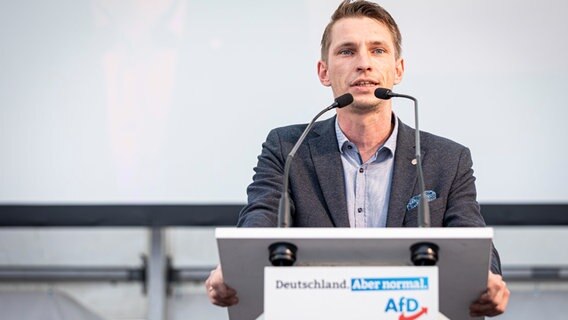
<point>364,83</point>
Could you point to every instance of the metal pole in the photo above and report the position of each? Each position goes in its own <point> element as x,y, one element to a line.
<point>535,273</point>
<point>76,274</point>
<point>156,277</point>
<point>191,274</point>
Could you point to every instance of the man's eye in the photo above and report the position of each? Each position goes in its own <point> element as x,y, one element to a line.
<point>345,52</point>
<point>379,51</point>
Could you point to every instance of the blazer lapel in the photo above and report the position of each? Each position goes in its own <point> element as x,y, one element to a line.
<point>329,169</point>
<point>404,175</point>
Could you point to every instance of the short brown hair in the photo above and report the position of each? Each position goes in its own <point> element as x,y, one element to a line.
<point>361,8</point>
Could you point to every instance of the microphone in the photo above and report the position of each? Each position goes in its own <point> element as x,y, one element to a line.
<point>284,216</point>
<point>383,93</point>
<point>423,208</point>
<point>342,101</point>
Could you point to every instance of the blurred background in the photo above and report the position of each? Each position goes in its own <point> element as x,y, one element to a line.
<point>129,130</point>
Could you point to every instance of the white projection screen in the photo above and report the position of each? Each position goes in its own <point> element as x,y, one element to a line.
<point>169,101</point>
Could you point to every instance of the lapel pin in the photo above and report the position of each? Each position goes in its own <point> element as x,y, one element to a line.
<point>414,162</point>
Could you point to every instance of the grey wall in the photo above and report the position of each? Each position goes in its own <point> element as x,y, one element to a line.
<point>169,101</point>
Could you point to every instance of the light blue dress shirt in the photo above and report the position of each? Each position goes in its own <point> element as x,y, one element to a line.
<point>367,185</point>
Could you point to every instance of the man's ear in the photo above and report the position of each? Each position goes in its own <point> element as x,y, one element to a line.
<point>323,74</point>
<point>399,71</point>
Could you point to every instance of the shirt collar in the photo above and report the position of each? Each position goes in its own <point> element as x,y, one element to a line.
<point>390,144</point>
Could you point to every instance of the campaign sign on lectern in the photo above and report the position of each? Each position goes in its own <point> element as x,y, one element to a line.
<point>350,293</point>
<point>463,262</point>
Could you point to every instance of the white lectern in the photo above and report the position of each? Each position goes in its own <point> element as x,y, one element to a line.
<point>464,257</point>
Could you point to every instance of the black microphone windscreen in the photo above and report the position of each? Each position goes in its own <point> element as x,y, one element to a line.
<point>344,100</point>
<point>383,93</point>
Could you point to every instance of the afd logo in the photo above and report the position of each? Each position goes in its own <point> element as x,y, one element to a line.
<point>407,307</point>
<point>388,284</point>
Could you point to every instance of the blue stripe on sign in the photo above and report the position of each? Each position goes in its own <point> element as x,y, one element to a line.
<point>389,284</point>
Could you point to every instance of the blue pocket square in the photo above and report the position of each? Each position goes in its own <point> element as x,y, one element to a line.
<point>413,202</point>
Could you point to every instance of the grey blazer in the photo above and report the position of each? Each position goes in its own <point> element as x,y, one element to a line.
<point>317,185</point>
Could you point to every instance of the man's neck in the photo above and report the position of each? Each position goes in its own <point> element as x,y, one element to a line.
<point>367,131</point>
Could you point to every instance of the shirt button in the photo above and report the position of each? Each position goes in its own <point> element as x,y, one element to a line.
<point>361,170</point>
<point>360,210</point>
<point>349,147</point>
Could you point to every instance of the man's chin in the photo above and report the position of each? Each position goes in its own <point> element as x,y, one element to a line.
<point>361,107</point>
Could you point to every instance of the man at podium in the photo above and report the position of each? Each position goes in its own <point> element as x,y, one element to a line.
<point>357,169</point>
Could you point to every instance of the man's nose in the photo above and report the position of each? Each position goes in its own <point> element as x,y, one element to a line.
<point>363,62</point>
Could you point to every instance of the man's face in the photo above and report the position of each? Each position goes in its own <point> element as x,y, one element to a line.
<point>361,58</point>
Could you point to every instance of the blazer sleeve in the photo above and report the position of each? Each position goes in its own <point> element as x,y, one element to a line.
<point>265,190</point>
<point>462,208</point>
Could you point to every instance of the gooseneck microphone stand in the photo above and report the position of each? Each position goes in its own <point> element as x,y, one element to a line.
<point>284,253</point>
<point>421,253</point>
